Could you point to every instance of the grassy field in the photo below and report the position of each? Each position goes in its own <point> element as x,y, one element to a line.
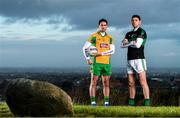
<point>4,110</point>
<point>113,111</point>
<point>116,111</point>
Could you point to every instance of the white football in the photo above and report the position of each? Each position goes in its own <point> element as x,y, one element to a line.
<point>92,50</point>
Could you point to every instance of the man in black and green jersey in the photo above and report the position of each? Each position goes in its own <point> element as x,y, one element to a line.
<point>101,62</point>
<point>135,42</point>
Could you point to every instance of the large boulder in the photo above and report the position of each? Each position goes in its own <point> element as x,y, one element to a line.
<point>36,98</point>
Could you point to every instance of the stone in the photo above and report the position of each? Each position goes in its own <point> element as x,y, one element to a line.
<point>27,97</point>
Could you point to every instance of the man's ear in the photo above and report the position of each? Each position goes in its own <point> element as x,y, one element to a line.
<point>140,22</point>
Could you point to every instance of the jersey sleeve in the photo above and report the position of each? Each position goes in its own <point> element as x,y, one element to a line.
<point>142,35</point>
<point>140,40</point>
<point>112,40</point>
<point>126,36</point>
<point>92,39</point>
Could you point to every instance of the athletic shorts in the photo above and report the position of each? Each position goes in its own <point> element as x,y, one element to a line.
<point>136,66</point>
<point>102,69</point>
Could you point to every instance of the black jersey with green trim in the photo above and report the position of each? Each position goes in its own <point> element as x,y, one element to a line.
<point>136,53</point>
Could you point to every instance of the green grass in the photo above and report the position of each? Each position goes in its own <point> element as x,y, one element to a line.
<point>113,111</point>
<point>4,110</point>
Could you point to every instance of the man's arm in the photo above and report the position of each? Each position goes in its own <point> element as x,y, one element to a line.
<point>109,52</point>
<point>85,52</point>
<point>137,43</point>
<point>125,43</point>
<point>134,44</point>
<point>112,48</point>
<point>139,40</point>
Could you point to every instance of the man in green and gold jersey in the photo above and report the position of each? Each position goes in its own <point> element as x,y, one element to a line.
<point>101,64</point>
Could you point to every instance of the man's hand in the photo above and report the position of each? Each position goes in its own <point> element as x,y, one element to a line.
<point>89,61</point>
<point>97,54</point>
<point>125,41</point>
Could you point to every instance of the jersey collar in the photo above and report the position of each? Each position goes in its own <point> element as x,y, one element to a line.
<point>101,35</point>
<point>135,29</point>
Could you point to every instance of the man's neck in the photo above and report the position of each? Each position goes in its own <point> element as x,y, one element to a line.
<point>135,29</point>
<point>102,33</point>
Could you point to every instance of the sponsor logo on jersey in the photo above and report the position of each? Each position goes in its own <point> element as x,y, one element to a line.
<point>103,45</point>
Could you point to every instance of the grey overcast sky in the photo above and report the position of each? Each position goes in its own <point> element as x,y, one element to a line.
<point>51,33</point>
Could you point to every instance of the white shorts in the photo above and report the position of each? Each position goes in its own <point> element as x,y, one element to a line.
<point>136,66</point>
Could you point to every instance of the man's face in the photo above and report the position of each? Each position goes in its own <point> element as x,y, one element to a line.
<point>135,22</point>
<point>103,26</point>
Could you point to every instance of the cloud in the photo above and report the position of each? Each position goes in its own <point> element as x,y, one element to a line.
<point>170,54</point>
<point>34,29</point>
<point>65,19</point>
<point>168,31</point>
<point>41,29</point>
<point>44,29</point>
<point>85,14</point>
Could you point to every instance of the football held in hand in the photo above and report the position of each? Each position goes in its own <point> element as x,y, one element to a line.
<point>92,50</point>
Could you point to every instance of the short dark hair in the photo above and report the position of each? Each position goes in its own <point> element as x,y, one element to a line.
<point>136,16</point>
<point>103,20</point>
